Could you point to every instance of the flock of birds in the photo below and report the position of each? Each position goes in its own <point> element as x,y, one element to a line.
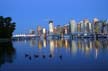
<point>43,56</point>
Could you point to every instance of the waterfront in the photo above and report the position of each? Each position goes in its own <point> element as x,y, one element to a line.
<point>68,54</point>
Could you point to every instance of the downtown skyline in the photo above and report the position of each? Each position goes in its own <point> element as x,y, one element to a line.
<point>31,13</point>
<point>85,26</point>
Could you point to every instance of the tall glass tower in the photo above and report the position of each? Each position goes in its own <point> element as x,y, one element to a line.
<point>73,26</point>
<point>51,27</point>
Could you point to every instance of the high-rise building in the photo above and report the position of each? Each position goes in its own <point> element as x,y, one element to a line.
<point>66,29</point>
<point>82,26</point>
<point>44,33</point>
<point>39,30</point>
<point>59,29</point>
<point>55,30</point>
<point>90,28</point>
<point>79,28</point>
<point>87,26</point>
<point>95,20</point>
<point>107,27</point>
<point>103,26</point>
<point>31,31</point>
<point>96,25</point>
<point>72,26</point>
<point>51,27</point>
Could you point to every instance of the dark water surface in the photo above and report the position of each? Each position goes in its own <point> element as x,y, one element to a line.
<point>54,55</point>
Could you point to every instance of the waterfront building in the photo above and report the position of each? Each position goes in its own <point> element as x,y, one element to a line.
<point>39,30</point>
<point>31,31</point>
<point>96,25</point>
<point>87,26</point>
<point>72,26</point>
<point>79,28</point>
<point>100,26</point>
<point>90,27</point>
<point>82,26</point>
<point>66,29</point>
<point>60,30</point>
<point>55,30</point>
<point>44,32</point>
<point>51,27</point>
<point>106,26</point>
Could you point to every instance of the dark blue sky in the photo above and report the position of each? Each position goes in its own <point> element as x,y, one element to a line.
<point>30,13</point>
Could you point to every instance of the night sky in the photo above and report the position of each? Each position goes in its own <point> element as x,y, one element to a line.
<point>29,13</point>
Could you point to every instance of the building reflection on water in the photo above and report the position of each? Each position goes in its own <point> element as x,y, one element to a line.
<point>32,43</point>
<point>40,44</point>
<point>85,46</point>
<point>52,46</point>
<point>44,43</point>
<point>7,53</point>
<point>73,47</point>
<point>51,52</point>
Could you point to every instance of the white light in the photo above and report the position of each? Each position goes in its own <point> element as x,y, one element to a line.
<point>85,34</point>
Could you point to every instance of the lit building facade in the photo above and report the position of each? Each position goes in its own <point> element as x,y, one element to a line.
<point>39,30</point>
<point>72,26</point>
<point>44,32</point>
<point>59,30</point>
<point>82,26</point>
<point>31,31</point>
<point>51,27</point>
<point>79,28</point>
<point>106,27</point>
<point>96,25</point>
<point>87,26</point>
<point>66,29</point>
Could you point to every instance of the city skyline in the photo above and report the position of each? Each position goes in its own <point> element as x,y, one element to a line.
<point>83,26</point>
<point>53,35</point>
<point>31,13</point>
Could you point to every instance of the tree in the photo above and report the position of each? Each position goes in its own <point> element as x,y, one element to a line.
<point>7,27</point>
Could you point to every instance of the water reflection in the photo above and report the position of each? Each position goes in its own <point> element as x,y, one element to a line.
<point>7,53</point>
<point>73,46</point>
<point>44,43</point>
<point>86,46</point>
<point>51,43</point>
<point>32,43</point>
<point>56,54</point>
<point>40,44</point>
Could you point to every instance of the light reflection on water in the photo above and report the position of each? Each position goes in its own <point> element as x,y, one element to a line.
<point>83,45</point>
<point>59,54</point>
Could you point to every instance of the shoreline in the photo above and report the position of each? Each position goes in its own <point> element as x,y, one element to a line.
<point>2,40</point>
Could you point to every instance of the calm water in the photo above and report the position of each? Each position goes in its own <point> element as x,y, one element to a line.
<point>48,55</point>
